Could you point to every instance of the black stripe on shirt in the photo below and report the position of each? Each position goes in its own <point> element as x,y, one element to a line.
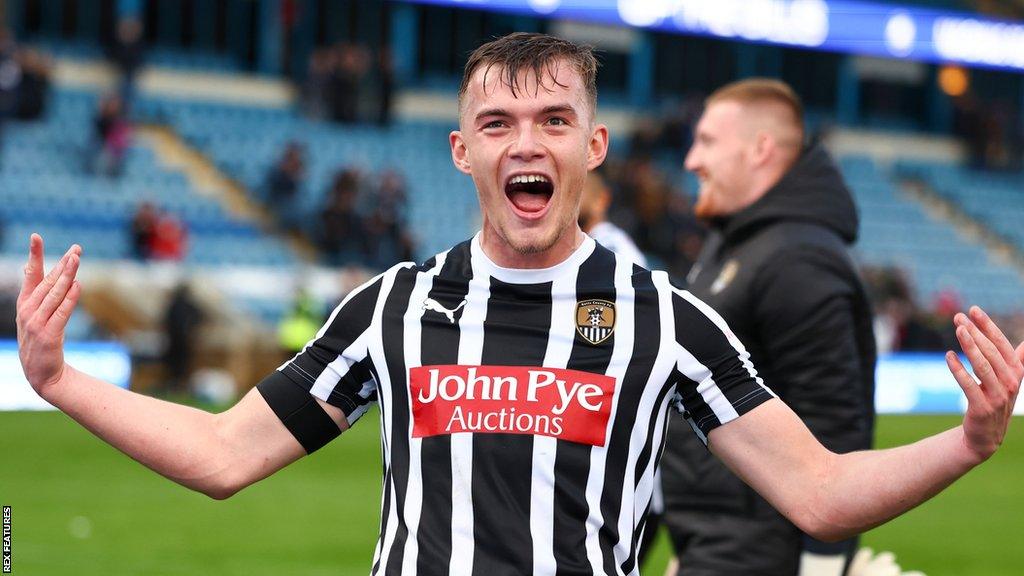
<point>440,345</point>
<point>657,422</point>
<point>516,331</point>
<point>699,335</point>
<point>385,512</point>
<point>647,331</point>
<point>596,280</point>
<point>392,335</point>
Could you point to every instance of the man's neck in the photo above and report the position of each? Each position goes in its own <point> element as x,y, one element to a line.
<point>502,254</point>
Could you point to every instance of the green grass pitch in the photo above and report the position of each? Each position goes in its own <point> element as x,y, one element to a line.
<point>80,507</point>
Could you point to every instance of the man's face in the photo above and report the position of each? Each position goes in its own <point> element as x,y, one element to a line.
<point>722,158</point>
<point>529,155</point>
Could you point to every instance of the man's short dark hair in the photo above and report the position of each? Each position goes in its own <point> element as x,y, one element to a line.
<point>539,53</point>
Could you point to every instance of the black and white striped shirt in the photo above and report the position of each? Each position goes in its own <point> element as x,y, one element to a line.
<point>523,412</point>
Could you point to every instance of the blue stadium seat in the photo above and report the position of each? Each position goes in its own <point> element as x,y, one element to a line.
<point>897,231</point>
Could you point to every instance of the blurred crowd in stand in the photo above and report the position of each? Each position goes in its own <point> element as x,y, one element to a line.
<point>112,135</point>
<point>649,200</point>
<point>361,220</point>
<point>902,324</point>
<point>656,213</point>
<point>24,84</point>
<point>349,83</point>
<point>992,133</point>
<point>24,80</point>
<point>112,128</point>
<point>157,235</point>
<point>127,53</point>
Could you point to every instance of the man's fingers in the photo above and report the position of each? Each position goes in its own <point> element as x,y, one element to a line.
<point>43,288</point>
<point>993,333</point>
<point>996,361</point>
<point>1020,352</point>
<point>62,314</point>
<point>967,382</point>
<point>33,268</point>
<point>60,288</point>
<point>981,366</point>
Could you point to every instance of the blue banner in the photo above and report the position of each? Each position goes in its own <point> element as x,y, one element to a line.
<point>848,26</point>
<point>109,361</point>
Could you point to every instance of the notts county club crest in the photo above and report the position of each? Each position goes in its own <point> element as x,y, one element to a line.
<point>595,320</point>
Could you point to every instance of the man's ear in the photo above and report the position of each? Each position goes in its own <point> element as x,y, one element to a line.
<point>460,155</point>
<point>597,148</point>
<point>764,147</point>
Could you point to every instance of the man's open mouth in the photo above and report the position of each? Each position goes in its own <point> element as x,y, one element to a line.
<point>529,193</point>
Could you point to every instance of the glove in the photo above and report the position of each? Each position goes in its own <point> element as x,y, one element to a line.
<point>884,564</point>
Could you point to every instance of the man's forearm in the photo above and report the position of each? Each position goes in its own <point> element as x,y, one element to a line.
<point>832,496</point>
<point>178,442</point>
<point>867,488</point>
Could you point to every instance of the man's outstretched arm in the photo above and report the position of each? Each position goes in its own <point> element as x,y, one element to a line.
<point>834,496</point>
<point>216,454</point>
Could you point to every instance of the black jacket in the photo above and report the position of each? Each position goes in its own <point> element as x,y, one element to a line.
<point>780,274</point>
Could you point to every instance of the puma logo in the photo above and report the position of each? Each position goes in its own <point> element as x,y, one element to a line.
<point>431,304</point>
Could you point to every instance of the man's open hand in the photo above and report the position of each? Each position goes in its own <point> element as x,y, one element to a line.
<point>998,367</point>
<point>44,307</point>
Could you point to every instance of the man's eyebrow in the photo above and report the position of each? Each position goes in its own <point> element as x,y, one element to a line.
<point>501,112</point>
<point>559,108</point>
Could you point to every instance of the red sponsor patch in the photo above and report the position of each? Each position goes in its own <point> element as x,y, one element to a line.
<point>566,404</point>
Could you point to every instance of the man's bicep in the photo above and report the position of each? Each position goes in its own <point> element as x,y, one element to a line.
<point>257,442</point>
<point>772,450</point>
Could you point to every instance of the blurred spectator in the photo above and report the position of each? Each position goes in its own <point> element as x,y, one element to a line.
<point>643,143</point>
<point>668,134</point>
<point>317,87</point>
<point>342,236</point>
<point>300,324</point>
<point>181,318</point>
<point>386,87</point>
<point>1015,326</point>
<point>387,238</point>
<point>143,229</point>
<point>593,220</point>
<point>112,135</point>
<point>900,326</point>
<point>169,238</point>
<point>991,132</point>
<point>284,184</point>
<point>9,310</point>
<point>24,81</point>
<point>970,126</point>
<point>10,78</point>
<point>657,216</point>
<point>35,85</point>
<point>126,53</point>
<point>946,305</point>
<point>346,83</point>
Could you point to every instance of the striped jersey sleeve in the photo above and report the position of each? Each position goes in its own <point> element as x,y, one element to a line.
<point>716,382</point>
<point>335,365</point>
